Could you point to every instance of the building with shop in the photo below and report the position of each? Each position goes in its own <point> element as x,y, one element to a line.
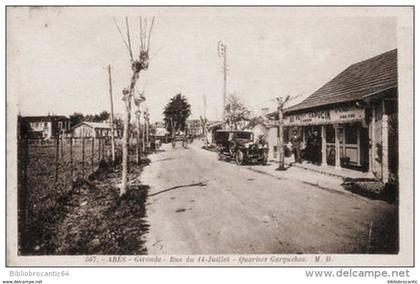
<point>353,119</point>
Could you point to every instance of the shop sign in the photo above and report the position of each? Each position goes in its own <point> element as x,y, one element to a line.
<point>337,115</point>
<point>347,114</point>
<point>313,117</point>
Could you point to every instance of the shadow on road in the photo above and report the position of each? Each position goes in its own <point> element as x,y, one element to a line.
<point>179,186</point>
<point>164,159</point>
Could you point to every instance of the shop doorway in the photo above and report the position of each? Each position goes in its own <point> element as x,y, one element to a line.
<point>353,141</point>
<point>312,139</point>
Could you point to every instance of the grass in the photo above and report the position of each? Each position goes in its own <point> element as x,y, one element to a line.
<point>99,221</point>
<point>48,202</point>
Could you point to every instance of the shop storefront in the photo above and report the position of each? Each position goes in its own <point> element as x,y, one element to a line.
<point>352,121</point>
<point>326,132</point>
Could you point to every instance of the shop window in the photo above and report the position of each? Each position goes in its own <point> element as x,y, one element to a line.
<point>350,134</point>
<point>330,134</point>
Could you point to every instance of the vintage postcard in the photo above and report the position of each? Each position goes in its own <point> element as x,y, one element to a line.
<point>210,136</point>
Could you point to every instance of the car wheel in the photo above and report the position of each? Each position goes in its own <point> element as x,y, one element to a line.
<point>239,157</point>
<point>264,158</point>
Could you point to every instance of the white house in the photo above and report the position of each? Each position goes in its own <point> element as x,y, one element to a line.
<point>92,129</point>
<point>45,127</point>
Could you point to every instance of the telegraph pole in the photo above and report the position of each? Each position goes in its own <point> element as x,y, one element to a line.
<point>112,115</point>
<point>223,52</point>
<point>280,138</point>
<point>205,120</point>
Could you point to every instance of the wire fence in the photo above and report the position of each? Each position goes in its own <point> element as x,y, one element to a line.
<point>47,170</point>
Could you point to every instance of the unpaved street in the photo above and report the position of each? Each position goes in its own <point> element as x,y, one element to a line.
<point>199,205</point>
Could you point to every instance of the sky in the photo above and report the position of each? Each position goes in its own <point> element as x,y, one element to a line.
<point>57,58</point>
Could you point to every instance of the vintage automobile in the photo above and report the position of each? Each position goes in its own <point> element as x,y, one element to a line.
<point>239,146</point>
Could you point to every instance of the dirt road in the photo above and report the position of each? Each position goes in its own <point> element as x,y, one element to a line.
<point>199,205</point>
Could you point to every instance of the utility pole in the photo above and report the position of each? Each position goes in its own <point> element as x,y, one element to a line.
<point>223,52</point>
<point>205,121</point>
<point>280,138</point>
<point>112,115</point>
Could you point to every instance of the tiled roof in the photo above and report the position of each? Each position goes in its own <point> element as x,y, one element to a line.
<point>255,121</point>
<point>44,118</point>
<point>359,80</point>
<point>214,124</point>
<point>95,124</point>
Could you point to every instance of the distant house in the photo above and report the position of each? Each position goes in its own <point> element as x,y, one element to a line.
<point>273,135</point>
<point>212,127</point>
<point>43,127</point>
<point>195,127</point>
<point>259,126</point>
<point>267,129</point>
<point>93,129</point>
<point>161,134</point>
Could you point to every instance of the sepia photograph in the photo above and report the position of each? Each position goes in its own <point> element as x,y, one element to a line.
<point>209,136</point>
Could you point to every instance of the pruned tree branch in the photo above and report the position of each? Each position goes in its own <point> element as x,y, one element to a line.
<point>150,32</point>
<point>121,34</point>
<point>130,50</point>
<point>141,35</point>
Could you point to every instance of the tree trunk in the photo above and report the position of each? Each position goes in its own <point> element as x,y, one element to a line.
<point>143,141</point>
<point>125,151</point>
<point>280,138</point>
<point>147,136</point>
<point>126,136</point>
<point>138,139</point>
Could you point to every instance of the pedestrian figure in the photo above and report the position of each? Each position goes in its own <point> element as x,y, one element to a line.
<point>296,146</point>
<point>316,148</point>
<point>185,141</point>
<point>309,150</point>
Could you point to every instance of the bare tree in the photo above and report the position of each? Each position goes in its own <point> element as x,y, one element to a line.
<point>137,64</point>
<point>236,112</point>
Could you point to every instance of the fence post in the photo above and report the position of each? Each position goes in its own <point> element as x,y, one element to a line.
<point>57,159</point>
<point>93,154</point>
<point>62,146</point>
<point>23,195</point>
<point>103,148</point>
<point>99,149</point>
<point>71,156</point>
<point>83,155</point>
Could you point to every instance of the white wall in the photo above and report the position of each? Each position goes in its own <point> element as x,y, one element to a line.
<point>272,139</point>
